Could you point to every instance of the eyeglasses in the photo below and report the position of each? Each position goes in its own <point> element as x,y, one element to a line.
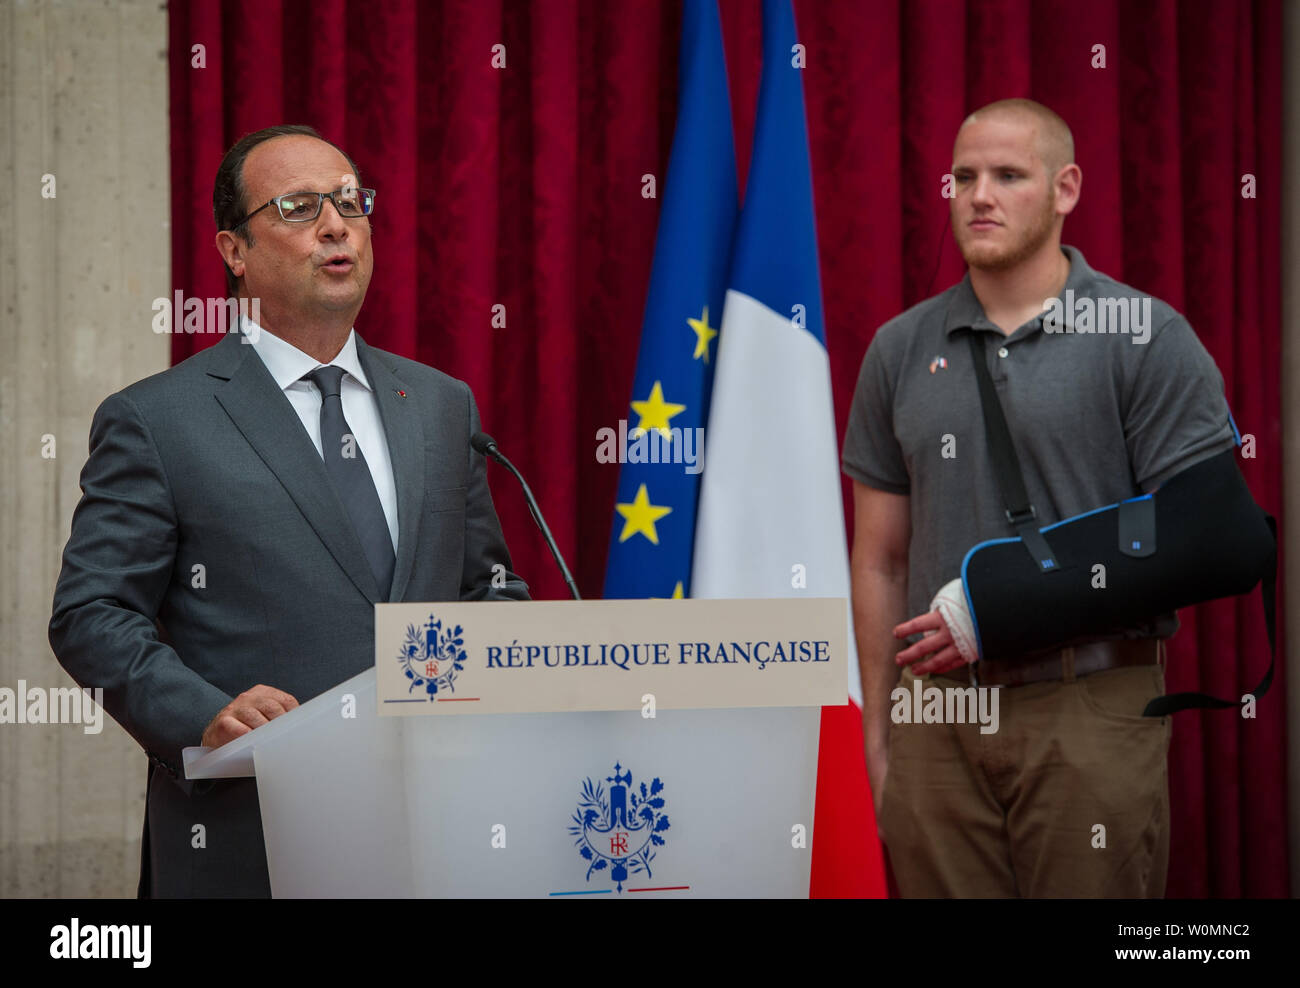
<point>303,207</point>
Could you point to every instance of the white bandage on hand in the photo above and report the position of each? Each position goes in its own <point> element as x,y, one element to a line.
<point>950,602</point>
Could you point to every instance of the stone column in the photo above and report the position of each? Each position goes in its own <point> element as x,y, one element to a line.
<point>84,251</point>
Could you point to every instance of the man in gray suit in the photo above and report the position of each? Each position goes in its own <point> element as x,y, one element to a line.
<point>244,511</point>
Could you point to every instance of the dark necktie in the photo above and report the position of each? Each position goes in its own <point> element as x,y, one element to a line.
<point>350,473</point>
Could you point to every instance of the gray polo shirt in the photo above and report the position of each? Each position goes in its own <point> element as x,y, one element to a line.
<point>1096,417</point>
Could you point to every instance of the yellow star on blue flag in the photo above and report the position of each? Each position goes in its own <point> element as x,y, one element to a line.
<point>652,531</point>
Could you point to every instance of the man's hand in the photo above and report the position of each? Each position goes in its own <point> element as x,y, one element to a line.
<point>936,650</point>
<point>877,767</point>
<point>252,708</point>
<point>881,533</point>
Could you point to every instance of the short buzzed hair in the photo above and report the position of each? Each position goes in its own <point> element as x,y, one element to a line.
<point>1053,137</point>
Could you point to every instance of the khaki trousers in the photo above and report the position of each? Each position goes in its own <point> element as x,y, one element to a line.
<point>1069,798</point>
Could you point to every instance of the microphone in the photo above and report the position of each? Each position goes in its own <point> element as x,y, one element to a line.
<point>485,445</point>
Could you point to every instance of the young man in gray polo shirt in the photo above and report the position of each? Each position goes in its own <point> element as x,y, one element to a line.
<point>1070,796</point>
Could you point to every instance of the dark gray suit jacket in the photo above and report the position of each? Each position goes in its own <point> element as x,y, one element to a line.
<point>207,465</point>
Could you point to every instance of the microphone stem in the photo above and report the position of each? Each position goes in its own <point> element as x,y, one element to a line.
<point>500,457</point>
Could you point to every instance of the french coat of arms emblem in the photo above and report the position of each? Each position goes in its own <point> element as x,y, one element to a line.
<point>432,656</point>
<point>617,829</point>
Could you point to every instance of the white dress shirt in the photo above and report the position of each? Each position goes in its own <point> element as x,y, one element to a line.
<point>288,364</point>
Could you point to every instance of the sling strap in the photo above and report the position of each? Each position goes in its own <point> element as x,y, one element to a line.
<point>1022,517</point>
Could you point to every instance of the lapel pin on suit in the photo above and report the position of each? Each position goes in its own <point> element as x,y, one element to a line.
<point>400,394</point>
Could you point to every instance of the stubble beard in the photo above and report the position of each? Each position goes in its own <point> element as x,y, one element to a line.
<point>992,257</point>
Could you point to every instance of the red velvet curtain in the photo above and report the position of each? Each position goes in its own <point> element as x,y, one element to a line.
<point>521,186</point>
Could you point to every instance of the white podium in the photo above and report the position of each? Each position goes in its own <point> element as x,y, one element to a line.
<point>401,782</point>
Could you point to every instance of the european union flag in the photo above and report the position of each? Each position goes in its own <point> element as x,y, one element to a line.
<point>661,444</point>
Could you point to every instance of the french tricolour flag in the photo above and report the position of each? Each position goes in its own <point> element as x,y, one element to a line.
<point>771,521</point>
